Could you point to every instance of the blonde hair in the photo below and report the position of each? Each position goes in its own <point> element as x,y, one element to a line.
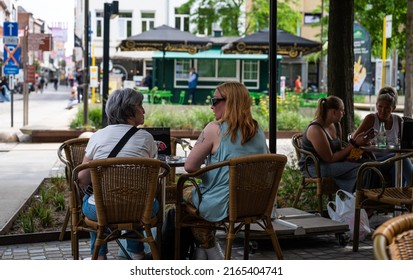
<point>238,111</point>
<point>387,94</point>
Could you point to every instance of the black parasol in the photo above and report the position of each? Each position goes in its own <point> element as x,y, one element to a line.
<point>258,43</point>
<point>165,38</point>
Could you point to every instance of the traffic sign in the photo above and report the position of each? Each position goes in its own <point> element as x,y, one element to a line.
<point>10,29</point>
<point>11,55</point>
<point>11,58</point>
<point>11,40</point>
<point>30,74</point>
<point>11,69</point>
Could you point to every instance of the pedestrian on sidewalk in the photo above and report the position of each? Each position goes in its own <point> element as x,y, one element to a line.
<point>5,91</point>
<point>192,84</point>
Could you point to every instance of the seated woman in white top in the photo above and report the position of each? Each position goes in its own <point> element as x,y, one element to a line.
<point>385,106</point>
<point>123,109</point>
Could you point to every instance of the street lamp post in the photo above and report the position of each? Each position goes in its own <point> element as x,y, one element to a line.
<point>86,66</point>
<point>111,10</point>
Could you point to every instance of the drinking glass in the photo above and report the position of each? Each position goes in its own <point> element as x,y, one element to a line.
<point>184,145</point>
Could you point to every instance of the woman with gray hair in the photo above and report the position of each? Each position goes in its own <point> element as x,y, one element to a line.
<point>385,106</point>
<point>124,110</point>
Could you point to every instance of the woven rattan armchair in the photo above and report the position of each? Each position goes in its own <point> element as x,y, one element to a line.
<point>393,240</point>
<point>124,191</point>
<point>322,185</point>
<point>71,153</point>
<point>253,186</point>
<point>382,194</point>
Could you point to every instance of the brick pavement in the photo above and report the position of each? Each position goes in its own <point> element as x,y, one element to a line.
<point>321,247</point>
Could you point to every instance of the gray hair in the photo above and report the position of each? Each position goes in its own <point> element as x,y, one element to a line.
<point>388,94</point>
<point>122,104</point>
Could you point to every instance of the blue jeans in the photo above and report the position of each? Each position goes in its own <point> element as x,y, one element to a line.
<point>133,246</point>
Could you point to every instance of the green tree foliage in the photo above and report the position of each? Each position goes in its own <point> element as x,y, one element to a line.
<point>204,13</point>
<point>229,14</point>
<point>288,19</point>
<point>370,14</point>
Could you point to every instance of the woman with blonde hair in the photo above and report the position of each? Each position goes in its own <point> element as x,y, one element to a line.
<point>323,137</point>
<point>385,105</point>
<point>233,133</point>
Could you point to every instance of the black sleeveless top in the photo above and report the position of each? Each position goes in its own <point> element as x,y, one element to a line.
<point>335,144</point>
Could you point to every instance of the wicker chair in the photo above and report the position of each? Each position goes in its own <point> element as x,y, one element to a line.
<point>384,196</point>
<point>323,185</point>
<point>71,153</point>
<point>124,191</point>
<point>393,240</point>
<point>253,186</point>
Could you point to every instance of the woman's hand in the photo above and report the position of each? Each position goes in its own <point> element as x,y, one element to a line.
<point>360,140</point>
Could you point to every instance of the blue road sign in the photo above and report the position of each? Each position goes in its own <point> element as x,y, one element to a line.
<point>10,29</point>
<point>11,55</point>
<point>11,69</point>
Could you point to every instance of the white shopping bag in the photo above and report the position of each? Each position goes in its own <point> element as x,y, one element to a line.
<point>342,210</point>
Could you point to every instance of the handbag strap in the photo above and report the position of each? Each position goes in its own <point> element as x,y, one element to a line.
<point>123,141</point>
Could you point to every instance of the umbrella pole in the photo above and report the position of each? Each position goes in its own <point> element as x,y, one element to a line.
<point>273,77</point>
<point>163,69</point>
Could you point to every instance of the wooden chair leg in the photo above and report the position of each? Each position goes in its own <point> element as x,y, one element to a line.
<point>246,241</point>
<point>64,226</point>
<point>274,240</point>
<point>75,246</point>
<point>230,238</point>
<point>99,241</point>
<point>356,229</point>
<point>298,195</point>
<point>152,244</point>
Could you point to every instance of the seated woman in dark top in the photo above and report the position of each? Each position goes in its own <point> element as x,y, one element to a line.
<point>323,138</point>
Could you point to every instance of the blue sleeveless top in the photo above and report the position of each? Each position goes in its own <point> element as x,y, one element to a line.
<point>214,186</point>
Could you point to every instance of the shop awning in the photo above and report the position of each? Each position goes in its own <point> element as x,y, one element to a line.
<point>209,54</point>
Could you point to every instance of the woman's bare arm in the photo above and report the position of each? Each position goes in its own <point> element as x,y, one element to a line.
<point>206,144</point>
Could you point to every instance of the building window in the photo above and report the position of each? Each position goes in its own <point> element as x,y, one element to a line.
<point>218,69</point>
<point>148,21</point>
<point>209,70</point>
<point>125,25</point>
<point>312,18</point>
<point>182,69</point>
<point>181,20</point>
<point>99,24</point>
<point>250,73</point>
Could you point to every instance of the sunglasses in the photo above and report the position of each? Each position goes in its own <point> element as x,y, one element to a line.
<point>216,100</point>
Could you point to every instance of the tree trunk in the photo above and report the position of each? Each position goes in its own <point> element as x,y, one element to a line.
<point>341,58</point>
<point>409,60</point>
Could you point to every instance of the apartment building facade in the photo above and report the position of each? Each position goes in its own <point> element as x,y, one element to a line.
<point>135,18</point>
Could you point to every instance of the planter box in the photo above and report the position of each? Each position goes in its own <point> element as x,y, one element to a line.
<point>52,136</point>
